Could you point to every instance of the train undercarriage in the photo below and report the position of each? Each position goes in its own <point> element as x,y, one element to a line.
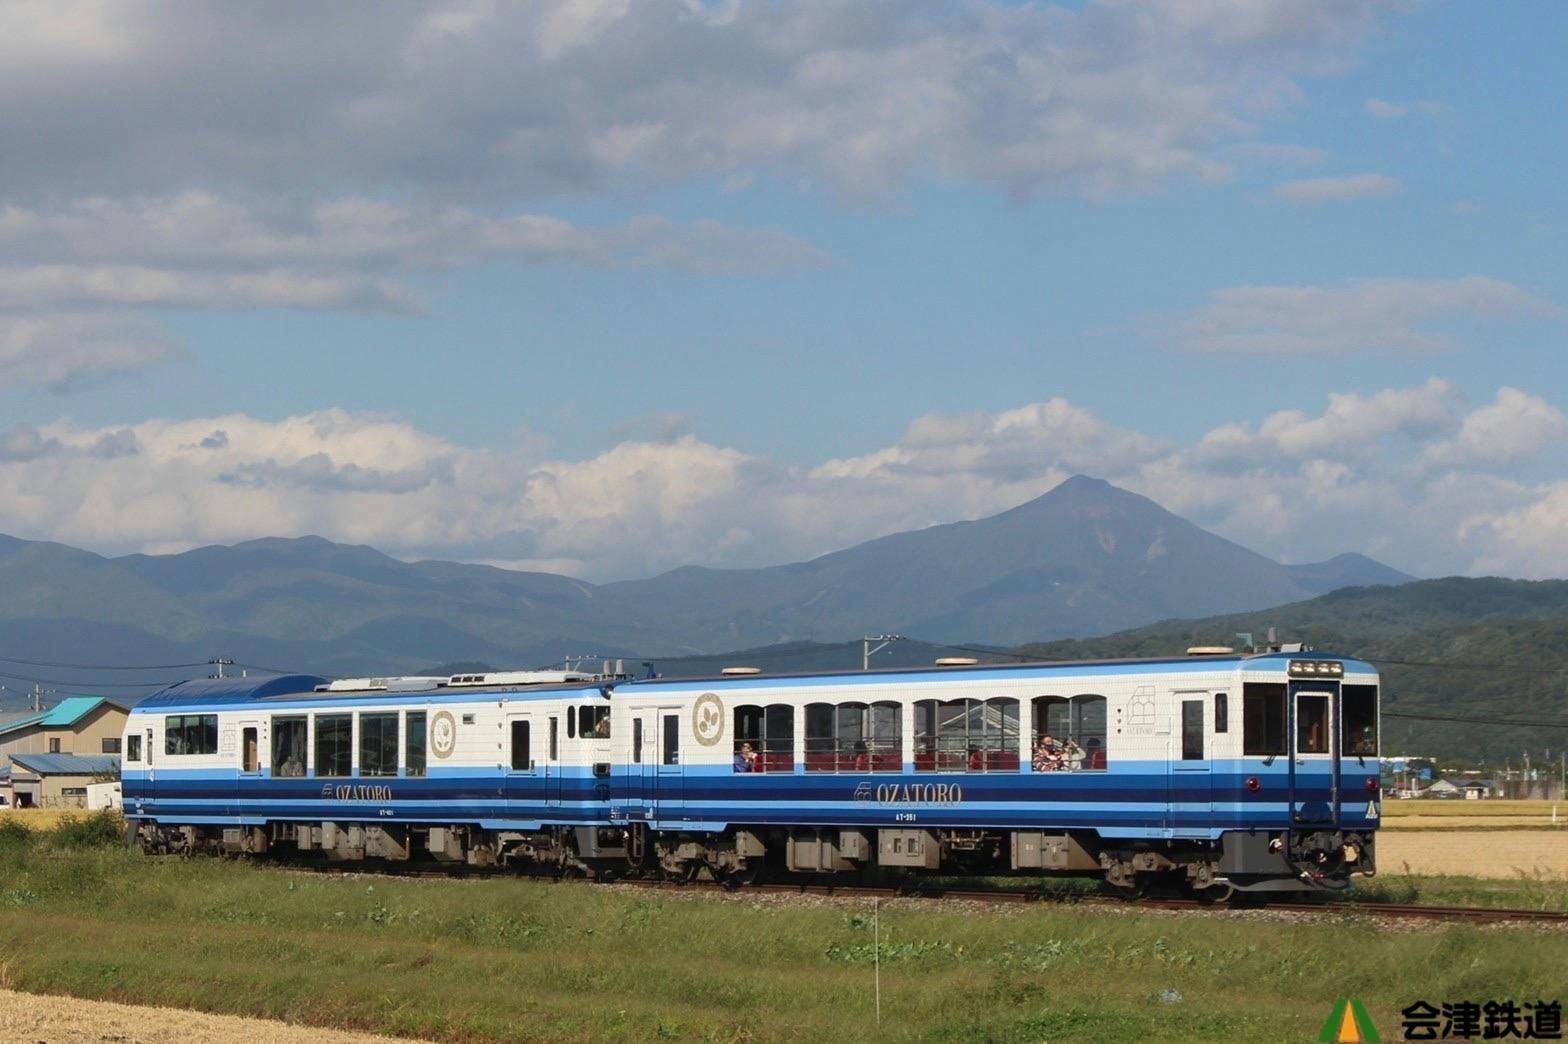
<point>1256,861</point>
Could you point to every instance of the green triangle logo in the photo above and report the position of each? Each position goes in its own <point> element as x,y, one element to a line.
<point>1348,1023</point>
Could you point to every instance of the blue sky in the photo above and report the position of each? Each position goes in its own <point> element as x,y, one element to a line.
<point>608,288</point>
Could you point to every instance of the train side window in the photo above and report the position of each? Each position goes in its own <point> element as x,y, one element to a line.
<point>334,744</point>
<point>555,739</point>
<point>378,744</point>
<point>771,732</point>
<point>1263,719</point>
<point>854,737</point>
<point>1221,714</point>
<point>190,734</point>
<point>672,739</point>
<point>571,724</point>
<point>414,744</point>
<point>1192,730</point>
<point>1360,704</point>
<point>133,748</point>
<point>1311,723</point>
<point>288,746</point>
<point>637,740</point>
<point>522,756</point>
<point>1076,726</point>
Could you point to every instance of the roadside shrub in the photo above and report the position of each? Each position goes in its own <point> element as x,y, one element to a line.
<point>97,830</point>
<point>14,833</point>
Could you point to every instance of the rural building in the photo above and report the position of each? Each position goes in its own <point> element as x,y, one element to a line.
<point>88,725</point>
<point>58,780</point>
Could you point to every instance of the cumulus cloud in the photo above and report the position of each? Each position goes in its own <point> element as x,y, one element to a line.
<point>1374,315</point>
<point>1333,190</point>
<point>1415,475</point>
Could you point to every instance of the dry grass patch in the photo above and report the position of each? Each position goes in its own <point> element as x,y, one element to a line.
<point>1475,853</point>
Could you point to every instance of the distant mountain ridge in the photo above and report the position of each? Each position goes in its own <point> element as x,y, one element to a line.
<point>1085,558</point>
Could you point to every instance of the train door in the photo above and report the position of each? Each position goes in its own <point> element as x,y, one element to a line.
<point>640,765</point>
<point>1314,786</point>
<point>1191,799</point>
<point>553,763</point>
<point>522,779</point>
<point>151,753</point>
<point>669,781</point>
<point>250,764</point>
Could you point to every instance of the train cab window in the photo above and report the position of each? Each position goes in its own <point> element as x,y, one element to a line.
<point>571,724</point>
<point>378,744</point>
<point>1075,730</point>
<point>1221,714</point>
<point>133,748</point>
<point>555,739</point>
<point>966,735</point>
<point>1360,707</point>
<point>1263,719</point>
<point>414,744</point>
<point>522,755</point>
<point>190,734</point>
<point>288,746</point>
<point>771,733</point>
<point>334,744</point>
<point>1311,723</point>
<point>593,720</point>
<point>637,740</point>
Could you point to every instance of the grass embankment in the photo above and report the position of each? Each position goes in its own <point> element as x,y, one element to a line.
<point>507,959</point>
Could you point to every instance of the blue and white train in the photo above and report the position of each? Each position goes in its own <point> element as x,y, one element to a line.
<point>1218,771</point>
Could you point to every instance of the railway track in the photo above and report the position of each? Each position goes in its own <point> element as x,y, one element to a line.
<point>1000,896</point>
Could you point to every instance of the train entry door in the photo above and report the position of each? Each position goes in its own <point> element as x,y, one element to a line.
<point>1314,785</point>
<point>552,764</point>
<point>1191,786</point>
<point>670,779</point>
<point>150,755</point>
<point>521,748</point>
<point>641,756</point>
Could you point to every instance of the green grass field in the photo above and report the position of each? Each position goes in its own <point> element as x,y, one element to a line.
<point>511,959</point>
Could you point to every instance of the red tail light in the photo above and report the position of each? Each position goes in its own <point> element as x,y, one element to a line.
<point>1372,784</point>
<point>1254,784</point>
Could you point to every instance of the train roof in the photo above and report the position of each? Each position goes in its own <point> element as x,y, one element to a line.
<point>217,692</point>
<point>1194,663</point>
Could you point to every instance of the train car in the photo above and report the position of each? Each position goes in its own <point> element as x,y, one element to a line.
<point>1218,772</point>
<point>479,768</point>
<point>1256,772</point>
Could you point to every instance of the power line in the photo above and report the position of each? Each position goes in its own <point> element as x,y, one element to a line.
<point>1462,719</point>
<point>103,666</point>
<point>1466,665</point>
<point>90,682</point>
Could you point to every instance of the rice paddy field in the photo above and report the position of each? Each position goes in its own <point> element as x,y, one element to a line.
<point>508,959</point>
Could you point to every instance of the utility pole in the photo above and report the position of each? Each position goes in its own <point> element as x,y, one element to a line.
<point>866,651</point>
<point>220,663</point>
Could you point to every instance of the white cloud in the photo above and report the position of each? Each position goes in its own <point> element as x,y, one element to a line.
<point>1412,475</point>
<point>1510,431</point>
<point>1332,190</point>
<point>62,350</point>
<point>1374,315</point>
<point>506,100</point>
<point>1385,110</point>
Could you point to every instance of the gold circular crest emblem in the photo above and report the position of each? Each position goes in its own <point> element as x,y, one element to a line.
<point>443,734</point>
<point>707,719</point>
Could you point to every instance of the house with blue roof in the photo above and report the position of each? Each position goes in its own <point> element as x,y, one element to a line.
<point>82,725</point>
<point>58,780</point>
